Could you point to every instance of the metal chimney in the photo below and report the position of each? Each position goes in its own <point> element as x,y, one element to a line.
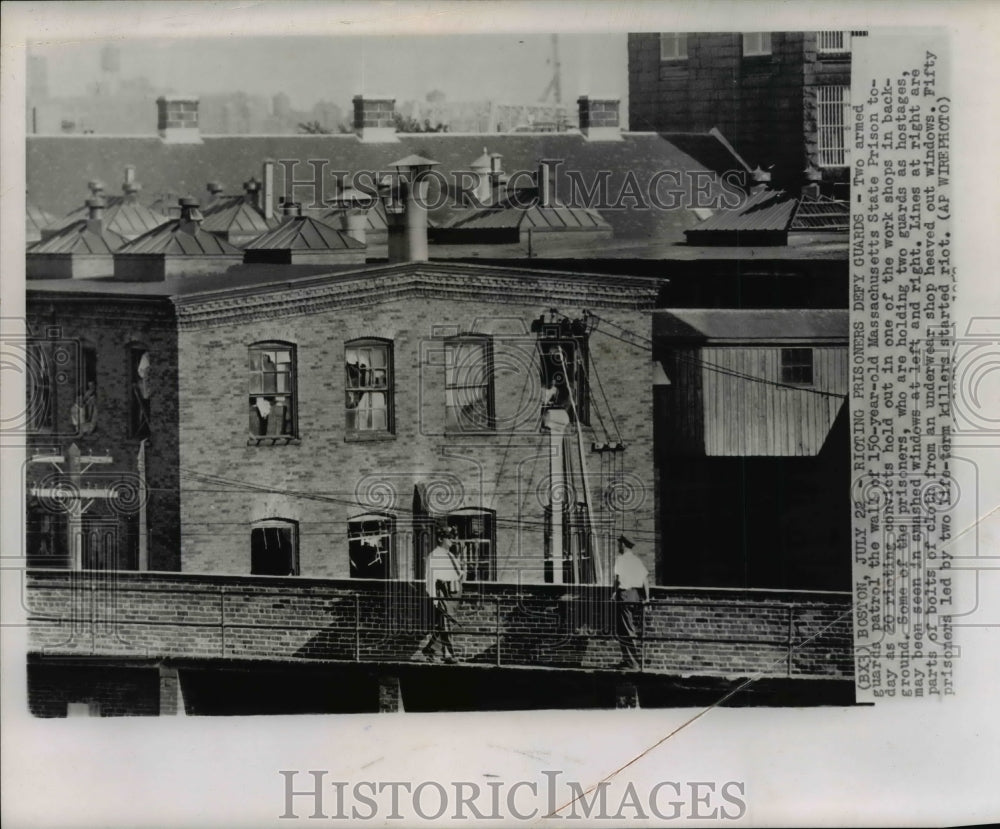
<point>267,189</point>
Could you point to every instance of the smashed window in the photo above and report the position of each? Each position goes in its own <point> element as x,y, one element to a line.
<point>476,542</point>
<point>371,546</point>
<point>564,375</point>
<point>368,386</point>
<point>272,390</point>
<point>83,412</point>
<point>274,548</point>
<point>139,378</point>
<point>469,385</point>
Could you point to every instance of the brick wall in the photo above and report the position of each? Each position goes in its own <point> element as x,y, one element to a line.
<point>111,327</point>
<point>373,112</point>
<point>327,477</point>
<point>109,691</point>
<point>287,620</point>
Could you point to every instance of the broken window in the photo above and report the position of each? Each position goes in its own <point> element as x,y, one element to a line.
<point>564,370</point>
<point>368,386</point>
<point>469,385</point>
<point>83,412</point>
<point>39,388</point>
<point>797,366</point>
<point>274,548</point>
<point>476,542</point>
<point>138,360</point>
<point>371,546</point>
<point>272,390</point>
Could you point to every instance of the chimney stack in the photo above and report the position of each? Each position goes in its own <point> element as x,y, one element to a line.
<point>129,176</point>
<point>251,191</point>
<point>95,214</point>
<point>544,181</point>
<point>96,187</point>
<point>406,210</point>
<point>291,208</point>
<point>267,189</point>
<point>482,170</point>
<point>177,119</point>
<point>599,118</point>
<point>190,215</point>
<point>374,118</point>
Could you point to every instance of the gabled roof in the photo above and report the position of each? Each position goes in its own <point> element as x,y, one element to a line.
<point>179,238</point>
<point>238,217</point>
<point>78,238</point>
<point>123,214</point>
<point>697,325</point>
<point>304,233</point>
<point>54,160</point>
<point>555,217</point>
<point>375,218</point>
<point>36,220</point>
<point>768,210</point>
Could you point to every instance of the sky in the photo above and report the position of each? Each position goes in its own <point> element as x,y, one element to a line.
<point>505,68</point>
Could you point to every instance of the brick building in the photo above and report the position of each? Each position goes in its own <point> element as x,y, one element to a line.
<point>781,98</point>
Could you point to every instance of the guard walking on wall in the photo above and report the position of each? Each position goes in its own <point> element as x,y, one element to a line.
<point>444,586</point>
<point>630,593</point>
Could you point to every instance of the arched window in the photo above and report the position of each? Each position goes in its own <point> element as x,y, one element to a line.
<point>368,386</point>
<point>371,542</point>
<point>476,540</point>
<point>274,548</point>
<point>272,390</point>
<point>469,384</point>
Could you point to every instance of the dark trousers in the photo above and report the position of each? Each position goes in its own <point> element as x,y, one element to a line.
<point>628,618</point>
<point>441,609</point>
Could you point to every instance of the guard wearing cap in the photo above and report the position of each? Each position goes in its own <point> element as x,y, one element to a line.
<point>444,585</point>
<point>630,592</point>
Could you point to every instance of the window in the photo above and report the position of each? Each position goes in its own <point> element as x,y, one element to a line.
<point>138,363</point>
<point>83,709</point>
<point>368,386</point>
<point>45,537</point>
<point>476,542</point>
<point>274,548</point>
<point>564,369</point>
<point>836,43</point>
<point>832,120</point>
<point>83,412</point>
<point>272,390</point>
<point>756,43</point>
<point>371,542</point>
<point>469,385</point>
<point>797,366</point>
<point>673,46</point>
<point>38,382</point>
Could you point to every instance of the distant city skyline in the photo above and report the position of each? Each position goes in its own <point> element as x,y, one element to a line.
<point>509,67</point>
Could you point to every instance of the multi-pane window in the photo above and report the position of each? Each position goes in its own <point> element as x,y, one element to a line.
<point>476,542</point>
<point>38,388</point>
<point>673,46</point>
<point>138,361</point>
<point>274,548</point>
<point>272,390</point>
<point>368,386</point>
<point>797,366</point>
<point>832,124</point>
<point>469,385</point>
<point>564,376</point>
<point>836,43</point>
<point>756,43</point>
<point>371,543</point>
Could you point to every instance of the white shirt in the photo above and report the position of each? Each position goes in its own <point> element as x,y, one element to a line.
<point>630,572</point>
<point>441,566</point>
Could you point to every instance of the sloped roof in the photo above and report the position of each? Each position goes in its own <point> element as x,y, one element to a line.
<point>555,217</point>
<point>54,160</point>
<point>304,233</point>
<point>36,220</point>
<point>729,325</point>
<point>238,217</point>
<point>375,218</point>
<point>122,214</point>
<point>764,210</point>
<point>179,238</point>
<point>78,238</point>
<point>823,214</point>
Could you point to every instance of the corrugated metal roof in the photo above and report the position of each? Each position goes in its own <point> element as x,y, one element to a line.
<point>822,214</point>
<point>531,215</point>
<point>304,233</point>
<point>768,210</point>
<point>122,214</point>
<point>178,238</point>
<point>375,216</point>
<point>731,325</point>
<point>78,238</point>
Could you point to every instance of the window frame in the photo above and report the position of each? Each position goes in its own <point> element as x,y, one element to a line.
<point>760,49</point>
<point>830,154</point>
<point>277,523</point>
<point>353,431</point>
<point>456,342</point>
<point>472,569</point>
<point>392,563</point>
<point>794,369</point>
<point>291,393</point>
<point>679,50</point>
<point>581,362</point>
<point>134,412</point>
